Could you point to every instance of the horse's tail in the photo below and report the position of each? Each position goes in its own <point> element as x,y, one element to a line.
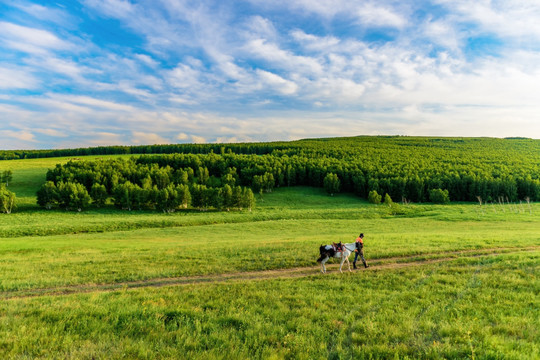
<point>322,252</point>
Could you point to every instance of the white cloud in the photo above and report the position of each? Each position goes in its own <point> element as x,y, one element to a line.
<point>507,18</point>
<point>443,33</point>
<point>379,16</point>
<point>147,60</point>
<point>143,138</point>
<point>198,139</point>
<point>278,83</point>
<point>181,100</point>
<point>287,60</point>
<point>182,137</point>
<point>44,13</point>
<point>115,8</point>
<point>259,27</point>
<point>53,64</point>
<point>323,8</point>
<point>315,43</point>
<point>17,78</point>
<point>101,138</point>
<point>52,132</point>
<point>30,40</point>
<point>22,135</point>
<point>77,104</point>
<point>95,103</point>
<point>184,76</point>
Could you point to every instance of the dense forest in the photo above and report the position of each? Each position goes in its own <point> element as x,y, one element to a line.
<point>405,168</point>
<point>135,184</point>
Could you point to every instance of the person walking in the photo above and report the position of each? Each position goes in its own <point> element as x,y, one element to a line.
<point>359,242</point>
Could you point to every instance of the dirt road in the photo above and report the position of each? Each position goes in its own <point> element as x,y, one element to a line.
<point>383,264</point>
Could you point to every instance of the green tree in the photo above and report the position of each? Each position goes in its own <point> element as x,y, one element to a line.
<point>374,197</point>
<point>124,195</point>
<point>47,195</point>
<point>203,175</point>
<point>237,197</point>
<point>268,182</point>
<point>248,199</point>
<point>80,199</point>
<point>291,175</point>
<point>201,196</point>
<point>99,195</point>
<point>7,200</point>
<point>227,197</point>
<point>161,177</point>
<point>169,199</point>
<point>230,177</point>
<point>257,183</point>
<point>216,198</point>
<point>6,177</point>
<point>184,195</point>
<point>331,183</point>
<point>181,177</point>
<point>213,182</point>
<point>359,184</point>
<point>206,197</point>
<point>73,196</point>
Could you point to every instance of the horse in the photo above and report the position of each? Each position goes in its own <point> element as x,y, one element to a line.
<point>328,251</point>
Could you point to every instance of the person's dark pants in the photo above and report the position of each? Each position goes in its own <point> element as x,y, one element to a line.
<point>361,254</point>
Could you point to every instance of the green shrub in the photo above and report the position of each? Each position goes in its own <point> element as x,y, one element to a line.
<point>374,197</point>
<point>439,196</point>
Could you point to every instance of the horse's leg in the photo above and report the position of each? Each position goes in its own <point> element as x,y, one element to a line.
<point>348,262</point>
<point>341,263</point>
<point>323,268</point>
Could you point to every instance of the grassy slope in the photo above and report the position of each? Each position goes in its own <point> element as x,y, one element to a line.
<point>486,306</point>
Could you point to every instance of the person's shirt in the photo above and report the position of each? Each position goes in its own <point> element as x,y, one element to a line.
<point>359,243</point>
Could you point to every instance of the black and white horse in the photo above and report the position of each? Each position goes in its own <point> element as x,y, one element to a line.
<point>328,251</point>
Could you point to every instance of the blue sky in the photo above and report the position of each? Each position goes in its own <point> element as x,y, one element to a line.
<point>110,72</point>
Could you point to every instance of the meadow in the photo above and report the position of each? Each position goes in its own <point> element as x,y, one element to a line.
<point>446,281</point>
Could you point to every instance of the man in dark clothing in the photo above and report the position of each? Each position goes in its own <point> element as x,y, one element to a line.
<point>359,242</point>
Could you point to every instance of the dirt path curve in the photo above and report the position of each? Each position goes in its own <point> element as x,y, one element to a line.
<point>375,265</point>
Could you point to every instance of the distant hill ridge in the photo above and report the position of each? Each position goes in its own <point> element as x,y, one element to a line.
<point>268,147</point>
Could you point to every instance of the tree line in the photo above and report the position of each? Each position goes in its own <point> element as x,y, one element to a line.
<point>399,175</point>
<point>243,148</point>
<point>414,169</point>
<point>131,185</point>
<point>417,172</point>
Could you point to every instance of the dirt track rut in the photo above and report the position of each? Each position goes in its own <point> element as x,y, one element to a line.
<point>375,265</point>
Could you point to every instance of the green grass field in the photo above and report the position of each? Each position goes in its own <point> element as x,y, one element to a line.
<point>446,282</point>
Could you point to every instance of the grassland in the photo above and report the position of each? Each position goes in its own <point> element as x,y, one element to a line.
<point>454,282</point>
